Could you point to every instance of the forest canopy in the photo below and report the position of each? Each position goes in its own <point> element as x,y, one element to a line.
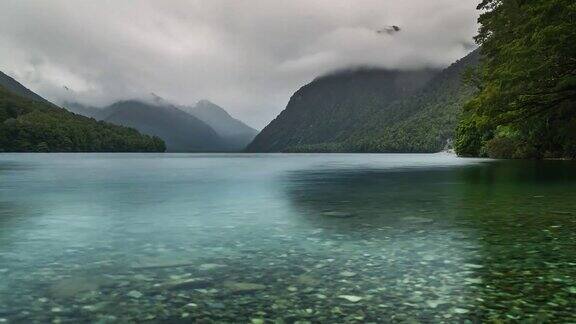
<point>525,104</point>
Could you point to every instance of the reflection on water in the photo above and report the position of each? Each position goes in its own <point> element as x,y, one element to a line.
<point>319,238</point>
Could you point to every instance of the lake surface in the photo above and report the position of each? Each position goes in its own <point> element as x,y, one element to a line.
<point>261,238</point>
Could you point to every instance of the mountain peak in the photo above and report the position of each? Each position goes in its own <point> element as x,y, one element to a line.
<point>207,107</point>
<point>230,128</point>
<point>205,102</point>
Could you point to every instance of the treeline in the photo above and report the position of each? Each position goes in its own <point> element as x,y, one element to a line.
<point>36,126</point>
<point>525,104</point>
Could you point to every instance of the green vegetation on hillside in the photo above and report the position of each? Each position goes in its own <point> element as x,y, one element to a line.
<point>37,126</point>
<point>359,112</point>
<point>525,106</point>
<point>423,122</point>
<point>325,113</point>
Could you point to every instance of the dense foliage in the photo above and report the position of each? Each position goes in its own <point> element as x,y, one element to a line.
<point>37,126</point>
<point>525,106</point>
<point>422,122</point>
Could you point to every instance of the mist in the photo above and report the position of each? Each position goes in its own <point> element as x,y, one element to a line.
<point>247,56</point>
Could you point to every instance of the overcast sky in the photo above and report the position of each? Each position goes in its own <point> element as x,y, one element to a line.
<point>248,56</point>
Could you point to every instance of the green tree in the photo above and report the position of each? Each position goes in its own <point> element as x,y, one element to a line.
<point>527,80</point>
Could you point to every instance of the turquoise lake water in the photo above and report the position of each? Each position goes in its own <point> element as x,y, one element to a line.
<point>324,238</point>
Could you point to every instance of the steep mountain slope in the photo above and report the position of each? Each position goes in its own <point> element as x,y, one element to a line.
<point>423,122</point>
<point>38,126</point>
<point>8,83</point>
<point>412,121</point>
<point>235,133</point>
<point>181,131</point>
<point>333,107</point>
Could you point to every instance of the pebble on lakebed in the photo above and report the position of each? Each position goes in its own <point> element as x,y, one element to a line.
<point>243,286</point>
<point>351,298</point>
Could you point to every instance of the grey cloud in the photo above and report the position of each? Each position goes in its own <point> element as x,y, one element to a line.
<point>248,56</point>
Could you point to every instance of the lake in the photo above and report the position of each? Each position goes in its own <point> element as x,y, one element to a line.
<point>286,238</point>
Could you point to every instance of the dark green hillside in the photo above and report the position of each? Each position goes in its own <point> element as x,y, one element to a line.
<point>37,126</point>
<point>423,122</point>
<point>332,108</point>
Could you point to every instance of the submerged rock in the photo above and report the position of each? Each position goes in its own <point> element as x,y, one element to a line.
<point>70,287</point>
<point>417,220</point>
<point>435,303</point>
<point>473,280</point>
<point>337,214</point>
<point>307,280</point>
<point>348,274</point>
<point>239,287</point>
<point>210,266</point>
<point>351,298</point>
<point>215,305</point>
<point>191,283</point>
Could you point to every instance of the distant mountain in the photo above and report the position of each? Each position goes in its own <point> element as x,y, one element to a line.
<point>181,131</point>
<point>371,111</point>
<point>8,83</point>
<point>331,108</point>
<point>235,133</point>
<point>203,127</point>
<point>88,111</point>
<point>29,123</point>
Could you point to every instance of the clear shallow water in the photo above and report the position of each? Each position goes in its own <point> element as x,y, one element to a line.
<point>318,238</point>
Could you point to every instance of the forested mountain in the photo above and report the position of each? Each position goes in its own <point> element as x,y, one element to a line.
<point>526,103</point>
<point>181,131</point>
<point>332,108</point>
<point>35,125</point>
<point>372,111</point>
<point>234,132</point>
<point>422,122</point>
